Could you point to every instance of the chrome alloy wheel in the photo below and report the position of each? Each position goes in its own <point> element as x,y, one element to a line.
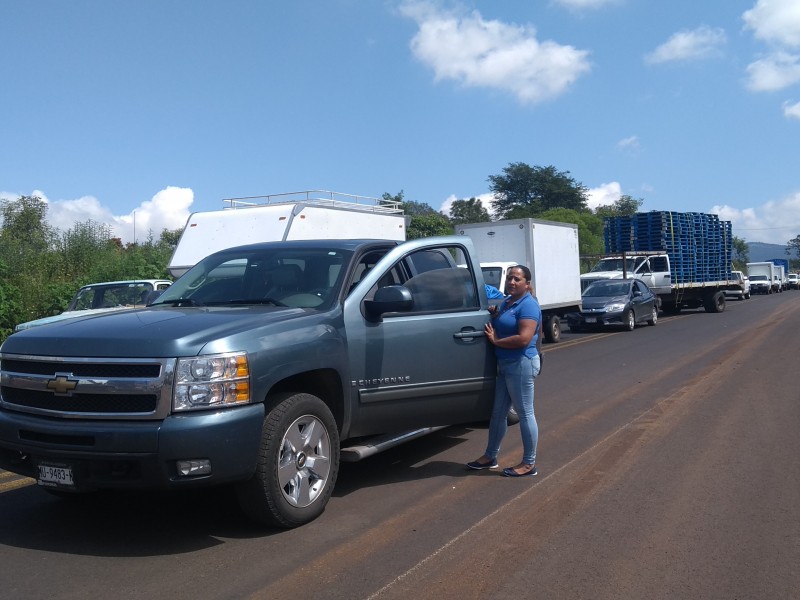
<point>304,462</point>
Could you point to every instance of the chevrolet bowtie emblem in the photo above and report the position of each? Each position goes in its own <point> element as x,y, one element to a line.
<point>62,384</point>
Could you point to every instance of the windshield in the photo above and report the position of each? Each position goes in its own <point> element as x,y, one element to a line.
<point>758,278</point>
<point>613,264</point>
<point>280,276</point>
<point>112,295</point>
<point>602,289</point>
<point>493,276</point>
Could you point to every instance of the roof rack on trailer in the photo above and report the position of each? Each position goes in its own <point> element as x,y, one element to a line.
<point>320,198</point>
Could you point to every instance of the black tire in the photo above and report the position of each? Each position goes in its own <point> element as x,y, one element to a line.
<point>628,320</point>
<point>714,303</point>
<point>654,317</point>
<point>298,462</point>
<point>552,329</point>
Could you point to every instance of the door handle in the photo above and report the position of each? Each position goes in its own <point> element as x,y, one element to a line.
<point>468,335</point>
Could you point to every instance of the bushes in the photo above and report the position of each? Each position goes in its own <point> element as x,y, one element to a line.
<point>41,268</point>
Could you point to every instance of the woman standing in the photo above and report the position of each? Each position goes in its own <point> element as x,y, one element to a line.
<point>513,332</point>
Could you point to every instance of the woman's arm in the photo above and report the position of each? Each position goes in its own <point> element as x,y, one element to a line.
<point>527,329</point>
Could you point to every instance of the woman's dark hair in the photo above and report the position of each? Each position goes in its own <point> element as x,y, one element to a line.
<point>525,271</point>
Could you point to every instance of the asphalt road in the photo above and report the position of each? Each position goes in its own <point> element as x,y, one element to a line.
<point>669,464</point>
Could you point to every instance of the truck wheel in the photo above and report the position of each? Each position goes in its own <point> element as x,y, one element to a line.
<point>654,318</point>
<point>714,303</point>
<point>552,329</point>
<point>629,320</point>
<point>298,462</point>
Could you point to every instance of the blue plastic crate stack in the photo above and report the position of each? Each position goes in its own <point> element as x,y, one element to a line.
<point>700,246</point>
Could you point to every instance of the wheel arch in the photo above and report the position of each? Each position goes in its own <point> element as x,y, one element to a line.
<point>325,384</point>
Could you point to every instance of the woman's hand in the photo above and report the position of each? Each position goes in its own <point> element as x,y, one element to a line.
<point>490,333</point>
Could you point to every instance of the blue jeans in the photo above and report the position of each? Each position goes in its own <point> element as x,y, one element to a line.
<point>514,386</point>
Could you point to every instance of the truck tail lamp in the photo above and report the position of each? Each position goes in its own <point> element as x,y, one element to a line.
<point>212,381</point>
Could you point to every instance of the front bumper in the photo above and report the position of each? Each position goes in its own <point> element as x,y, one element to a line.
<point>598,319</point>
<point>135,455</point>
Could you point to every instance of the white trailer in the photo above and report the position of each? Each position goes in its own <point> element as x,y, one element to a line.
<point>780,277</point>
<point>549,249</point>
<point>313,214</point>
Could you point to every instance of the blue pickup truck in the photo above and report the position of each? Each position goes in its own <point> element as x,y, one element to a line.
<point>261,367</point>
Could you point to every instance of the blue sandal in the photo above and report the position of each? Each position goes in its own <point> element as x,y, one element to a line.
<point>477,466</point>
<point>510,472</point>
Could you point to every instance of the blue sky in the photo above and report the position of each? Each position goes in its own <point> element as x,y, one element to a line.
<point>160,108</point>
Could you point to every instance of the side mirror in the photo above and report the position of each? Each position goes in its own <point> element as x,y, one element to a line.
<point>392,298</point>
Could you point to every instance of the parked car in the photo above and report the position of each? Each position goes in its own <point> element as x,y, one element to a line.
<point>744,292</point>
<point>615,302</point>
<point>794,281</point>
<point>109,296</point>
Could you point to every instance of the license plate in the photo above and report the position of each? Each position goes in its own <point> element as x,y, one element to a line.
<point>55,476</point>
<point>590,319</point>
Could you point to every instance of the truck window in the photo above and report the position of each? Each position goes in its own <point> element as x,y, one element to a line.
<point>493,276</point>
<point>658,264</point>
<point>429,260</point>
<point>437,283</point>
<point>365,264</point>
<point>442,289</point>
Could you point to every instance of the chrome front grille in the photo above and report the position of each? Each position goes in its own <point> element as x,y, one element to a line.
<point>87,388</point>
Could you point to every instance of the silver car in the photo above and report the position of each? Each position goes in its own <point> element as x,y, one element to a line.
<point>615,302</point>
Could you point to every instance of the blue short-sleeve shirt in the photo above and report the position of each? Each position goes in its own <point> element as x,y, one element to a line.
<point>506,324</point>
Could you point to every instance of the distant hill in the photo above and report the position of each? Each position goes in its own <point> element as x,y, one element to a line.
<point>760,251</point>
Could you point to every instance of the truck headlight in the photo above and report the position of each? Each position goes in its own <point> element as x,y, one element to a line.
<point>212,381</point>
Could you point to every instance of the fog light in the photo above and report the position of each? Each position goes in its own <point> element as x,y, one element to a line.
<point>191,468</point>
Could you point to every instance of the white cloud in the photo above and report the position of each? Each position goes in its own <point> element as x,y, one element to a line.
<point>791,111</point>
<point>775,21</point>
<point>492,54</point>
<point>604,195</point>
<point>630,144</point>
<point>774,222</point>
<point>703,42</point>
<point>775,72</point>
<point>485,200</point>
<point>168,209</point>
<point>584,4</point>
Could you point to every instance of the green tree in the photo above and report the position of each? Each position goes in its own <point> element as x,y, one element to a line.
<point>793,246</point>
<point>429,225</point>
<point>25,236</point>
<point>624,206</point>
<point>468,211</point>
<point>425,221</point>
<point>525,191</point>
<point>590,228</point>
<point>741,253</point>
<point>10,305</point>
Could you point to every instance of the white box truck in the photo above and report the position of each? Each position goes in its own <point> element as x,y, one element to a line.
<point>763,277</point>
<point>549,249</point>
<point>307,215</point>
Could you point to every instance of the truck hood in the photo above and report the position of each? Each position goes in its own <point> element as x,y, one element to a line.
<point>157,332</point>
<point>602,275</point>
<point>70,314</point>
<point>589,304</point>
